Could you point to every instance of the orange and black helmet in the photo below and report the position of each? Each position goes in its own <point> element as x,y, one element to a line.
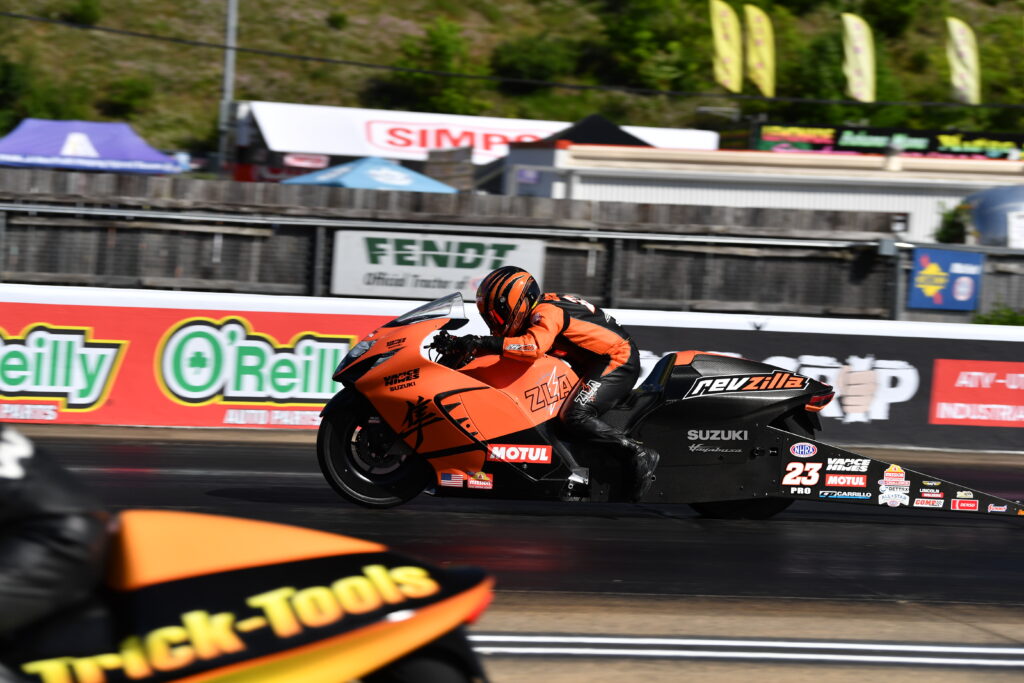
<point>505,298</point>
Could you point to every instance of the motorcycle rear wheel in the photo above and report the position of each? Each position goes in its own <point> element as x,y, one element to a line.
<point>366,463</point>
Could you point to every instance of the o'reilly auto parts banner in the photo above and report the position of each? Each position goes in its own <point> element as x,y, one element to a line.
<point>124,357</point>
<point>424,265</point>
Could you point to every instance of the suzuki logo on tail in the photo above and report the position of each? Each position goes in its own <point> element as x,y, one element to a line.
<point>527,454</point>
<point>777,381</point>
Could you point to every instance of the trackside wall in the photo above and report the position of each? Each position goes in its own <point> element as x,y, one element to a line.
<point>78,355</point>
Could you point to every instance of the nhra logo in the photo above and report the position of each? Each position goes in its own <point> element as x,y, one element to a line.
<point>61,363</point>
<point>803,449</point>
<point>203,361</point>
<point>517,454</point>
<point>777,381</point>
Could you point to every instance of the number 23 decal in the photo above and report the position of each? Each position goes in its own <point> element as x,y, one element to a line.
<point>802,474</point>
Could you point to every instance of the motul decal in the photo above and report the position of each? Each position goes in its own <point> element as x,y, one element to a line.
<point>970,505</point>
<point>516,453</point>
<point>847,480</point>
<point>777,381</point>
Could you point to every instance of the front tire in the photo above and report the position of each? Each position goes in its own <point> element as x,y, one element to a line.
<point>366,462</point>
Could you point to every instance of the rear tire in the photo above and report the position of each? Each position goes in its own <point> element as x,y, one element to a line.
<point>366,462</point>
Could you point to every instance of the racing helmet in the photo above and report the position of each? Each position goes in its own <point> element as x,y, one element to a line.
<point>505,298</point>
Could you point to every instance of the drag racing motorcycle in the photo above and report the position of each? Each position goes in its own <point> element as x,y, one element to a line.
<point>196,597</point>
<point>736,437</point>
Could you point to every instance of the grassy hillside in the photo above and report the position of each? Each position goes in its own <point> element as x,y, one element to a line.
<point>170,91</point>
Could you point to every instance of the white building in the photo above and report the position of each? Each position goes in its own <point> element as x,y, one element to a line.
<point>920,187</point>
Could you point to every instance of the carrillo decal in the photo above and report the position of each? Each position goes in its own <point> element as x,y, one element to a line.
<point>205,361</point>
<point>64,363</point>
<point>202,639</point>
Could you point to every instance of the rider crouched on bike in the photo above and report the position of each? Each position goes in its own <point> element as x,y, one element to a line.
<point>53,536</point>
<point>526,325</point>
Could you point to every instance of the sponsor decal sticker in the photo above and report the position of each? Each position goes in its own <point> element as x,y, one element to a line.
<point>717,435</point>
<point>996,508</point>
<point>894,475</point>
<point>777,381</point>
<point>965,494</point>
<point>854,495</point>
<point>803,449</point>
<point>848,464</point>
<point>452,479</point>
<point>480,480</point>
<point>802,474</point>
<point>969,505</point>
<point>927,503</point>
<point>931,483</point>
<point>519,454</point>
<point>847,480</point>
<point>932,493</point>
<point>402,380</point>
<point>893,498</point>
<point>549,394</point>
<point>587,392</point>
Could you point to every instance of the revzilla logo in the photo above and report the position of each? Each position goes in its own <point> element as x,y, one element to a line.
<point>402,380</point>
<point>59,363</point>
<point>518,454</point>
<point>717,435</point>
<point>203,360</point>
<point>777,381</point>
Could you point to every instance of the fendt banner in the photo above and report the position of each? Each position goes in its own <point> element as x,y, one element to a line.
<point>76,355</point>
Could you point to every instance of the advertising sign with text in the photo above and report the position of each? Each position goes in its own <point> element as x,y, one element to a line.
<point>423,265</point>
<point>945,279</point>
<point>977,392</point>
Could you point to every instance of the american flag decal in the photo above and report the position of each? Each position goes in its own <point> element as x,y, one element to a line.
<point>452,479</point>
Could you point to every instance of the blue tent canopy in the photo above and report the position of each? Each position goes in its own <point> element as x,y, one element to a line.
<point>82,145</point>
<point>373,173</point>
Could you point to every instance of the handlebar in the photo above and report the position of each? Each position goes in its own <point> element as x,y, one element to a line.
<point>449,353</point>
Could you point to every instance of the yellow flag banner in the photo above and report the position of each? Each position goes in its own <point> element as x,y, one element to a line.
<point>760,50</point>
<point>962,53</point>
<point>725,27</point>
<point>859,52</point>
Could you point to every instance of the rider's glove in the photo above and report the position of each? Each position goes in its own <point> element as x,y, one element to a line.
<point>473,345</point>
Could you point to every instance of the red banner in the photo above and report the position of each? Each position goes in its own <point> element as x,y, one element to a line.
<point>977,392</point>
<point>118,365</point>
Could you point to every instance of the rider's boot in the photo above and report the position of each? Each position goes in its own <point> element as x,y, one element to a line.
<point>644,462</point>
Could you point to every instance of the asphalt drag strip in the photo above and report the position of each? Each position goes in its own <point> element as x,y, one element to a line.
<point>754,650</point>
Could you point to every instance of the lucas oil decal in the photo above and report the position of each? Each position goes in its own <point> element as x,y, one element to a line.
<point>261,623</point>
<point>63,363</point>
<point>513,453</point>
<point>777,381</point>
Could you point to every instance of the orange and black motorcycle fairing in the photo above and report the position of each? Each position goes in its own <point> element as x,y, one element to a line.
<point>736,436</point>
<point>195,597</point>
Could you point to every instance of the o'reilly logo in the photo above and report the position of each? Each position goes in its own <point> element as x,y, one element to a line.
<point>203,360</point>
<point>58,363</point>
<point>454,253</point>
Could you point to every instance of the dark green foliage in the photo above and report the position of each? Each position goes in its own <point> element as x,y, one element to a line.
<point>442,49</point>
<point>890,18</point>
<point>337,20</point>
<point>954,226</point>
<point>126,97</point>
<point>84,12</point>
<point>1000,315</point>
<point>540,58</point>
<point>24,92</point>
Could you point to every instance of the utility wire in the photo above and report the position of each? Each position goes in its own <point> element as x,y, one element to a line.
<point>499,79</point>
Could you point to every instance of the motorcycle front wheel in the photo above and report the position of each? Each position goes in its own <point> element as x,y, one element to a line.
<point>366,462</point>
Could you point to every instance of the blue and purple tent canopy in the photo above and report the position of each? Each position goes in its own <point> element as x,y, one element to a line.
<point>82,146</point>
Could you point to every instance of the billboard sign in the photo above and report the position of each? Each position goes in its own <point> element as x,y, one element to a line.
<point>945,279</point>
<point>862,140</point>
<point>424,265</point>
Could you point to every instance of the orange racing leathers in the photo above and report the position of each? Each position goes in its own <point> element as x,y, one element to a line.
<point>599,351</point>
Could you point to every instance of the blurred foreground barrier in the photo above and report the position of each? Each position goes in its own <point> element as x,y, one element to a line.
<point>188,359</point>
